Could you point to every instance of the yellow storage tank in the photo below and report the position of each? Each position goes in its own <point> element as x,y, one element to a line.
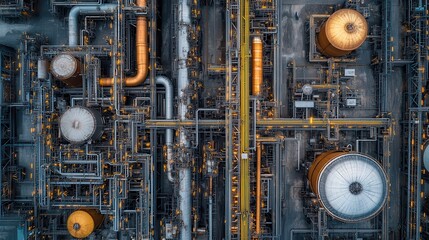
<point>352,187</point>
<point>344,31</point>
<point>82,223</point>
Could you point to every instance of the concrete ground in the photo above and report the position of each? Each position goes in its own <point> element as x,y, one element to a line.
<point>293,17</point>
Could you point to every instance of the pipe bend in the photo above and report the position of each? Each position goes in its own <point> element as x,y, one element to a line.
<point>78,10</point>
<point>142,50</point>
<point>168,115</point>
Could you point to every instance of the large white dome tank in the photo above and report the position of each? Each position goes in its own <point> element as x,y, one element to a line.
<point>352,187</point>
<point>80,124</point>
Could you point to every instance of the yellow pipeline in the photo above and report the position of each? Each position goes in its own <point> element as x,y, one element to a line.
<point>257,70</point>
<point>280,122</point>
<point>142,54</point>
<point>244,117</point>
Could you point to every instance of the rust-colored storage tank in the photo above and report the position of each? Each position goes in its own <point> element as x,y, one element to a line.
<point>344,31</point>
<point>352,187</point>
<point>82,223</point>
<point>66,68</point>
<point>257,66</point>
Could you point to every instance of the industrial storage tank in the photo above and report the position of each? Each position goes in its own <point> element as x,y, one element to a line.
<point>81,223</point>
<point>351,187</point>
<point>66,68</point>
<point>80,124</point>
<point>426,156</point>
<point>344,31</point>
<point>257,66</point>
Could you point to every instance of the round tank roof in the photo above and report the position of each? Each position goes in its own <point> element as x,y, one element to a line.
<point>346,29</point>
<point>64,66</point>
<point>78,124</point>
<point>80,224</point>
<point>352,187</point>
<point>307,89</point>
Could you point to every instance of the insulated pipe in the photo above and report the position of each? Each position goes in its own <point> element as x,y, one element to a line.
<point>79,10</point>
<point>211,208</point>
<point>257,70</point>
<point>142,53</point>
<point>184,21</point>
<point>168,115</point>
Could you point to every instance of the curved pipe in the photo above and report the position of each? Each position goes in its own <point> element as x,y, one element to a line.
<point>162,80</point>
<point>78,10</point>
<point>142,53</point>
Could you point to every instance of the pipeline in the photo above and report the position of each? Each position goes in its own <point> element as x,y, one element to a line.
<point>168,116</point>
<point>79,10</point>
<point>211,208</point>
<point>184,20</point>
<point>257,70</point>
<point>142,48</point>
<point>258,188</point>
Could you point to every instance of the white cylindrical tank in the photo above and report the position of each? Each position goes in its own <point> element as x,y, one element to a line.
<point>80,124</point>
<point>66,68</point>
<point>42,69</point>
<point>307,89</point>
<point>352,187</point>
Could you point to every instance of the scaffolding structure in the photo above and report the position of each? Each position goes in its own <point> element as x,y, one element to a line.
<point>416,42</point>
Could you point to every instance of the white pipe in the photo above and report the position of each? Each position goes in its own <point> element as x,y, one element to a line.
<point>78,10</point>
<point>184,21</point>
<point>210,217</point>
<point>168,116</point>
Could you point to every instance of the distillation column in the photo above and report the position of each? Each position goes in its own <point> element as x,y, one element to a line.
<point>184,20</point>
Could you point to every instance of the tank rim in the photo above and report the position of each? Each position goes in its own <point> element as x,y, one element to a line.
<point>371,214</point>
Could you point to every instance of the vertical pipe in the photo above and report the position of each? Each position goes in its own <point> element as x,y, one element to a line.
<point>168,115</point>
<point>257,66</point>
<point>258,188</point>
<point>278,166</point>
<point>244,117</point>
<point>1,136</point>
<point>22,71</point>
<point>211,208</point>
<point>154,223</point>
<point>184,20</point>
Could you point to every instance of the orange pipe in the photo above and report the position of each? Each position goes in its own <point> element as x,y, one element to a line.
<point>142,51</point>
<point>257,72</point>
<point>258,188</point>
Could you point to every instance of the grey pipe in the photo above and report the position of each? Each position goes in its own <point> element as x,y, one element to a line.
<point>185,201</point>
<point>78,10</point>
<point>210,217</point>
<point>162,80</point>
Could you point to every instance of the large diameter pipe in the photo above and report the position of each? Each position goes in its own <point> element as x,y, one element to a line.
<point>257,70</point>
<point>184,20</point>
<point>168,116</point>
<point>80,10</point>
<point>142,53</point>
